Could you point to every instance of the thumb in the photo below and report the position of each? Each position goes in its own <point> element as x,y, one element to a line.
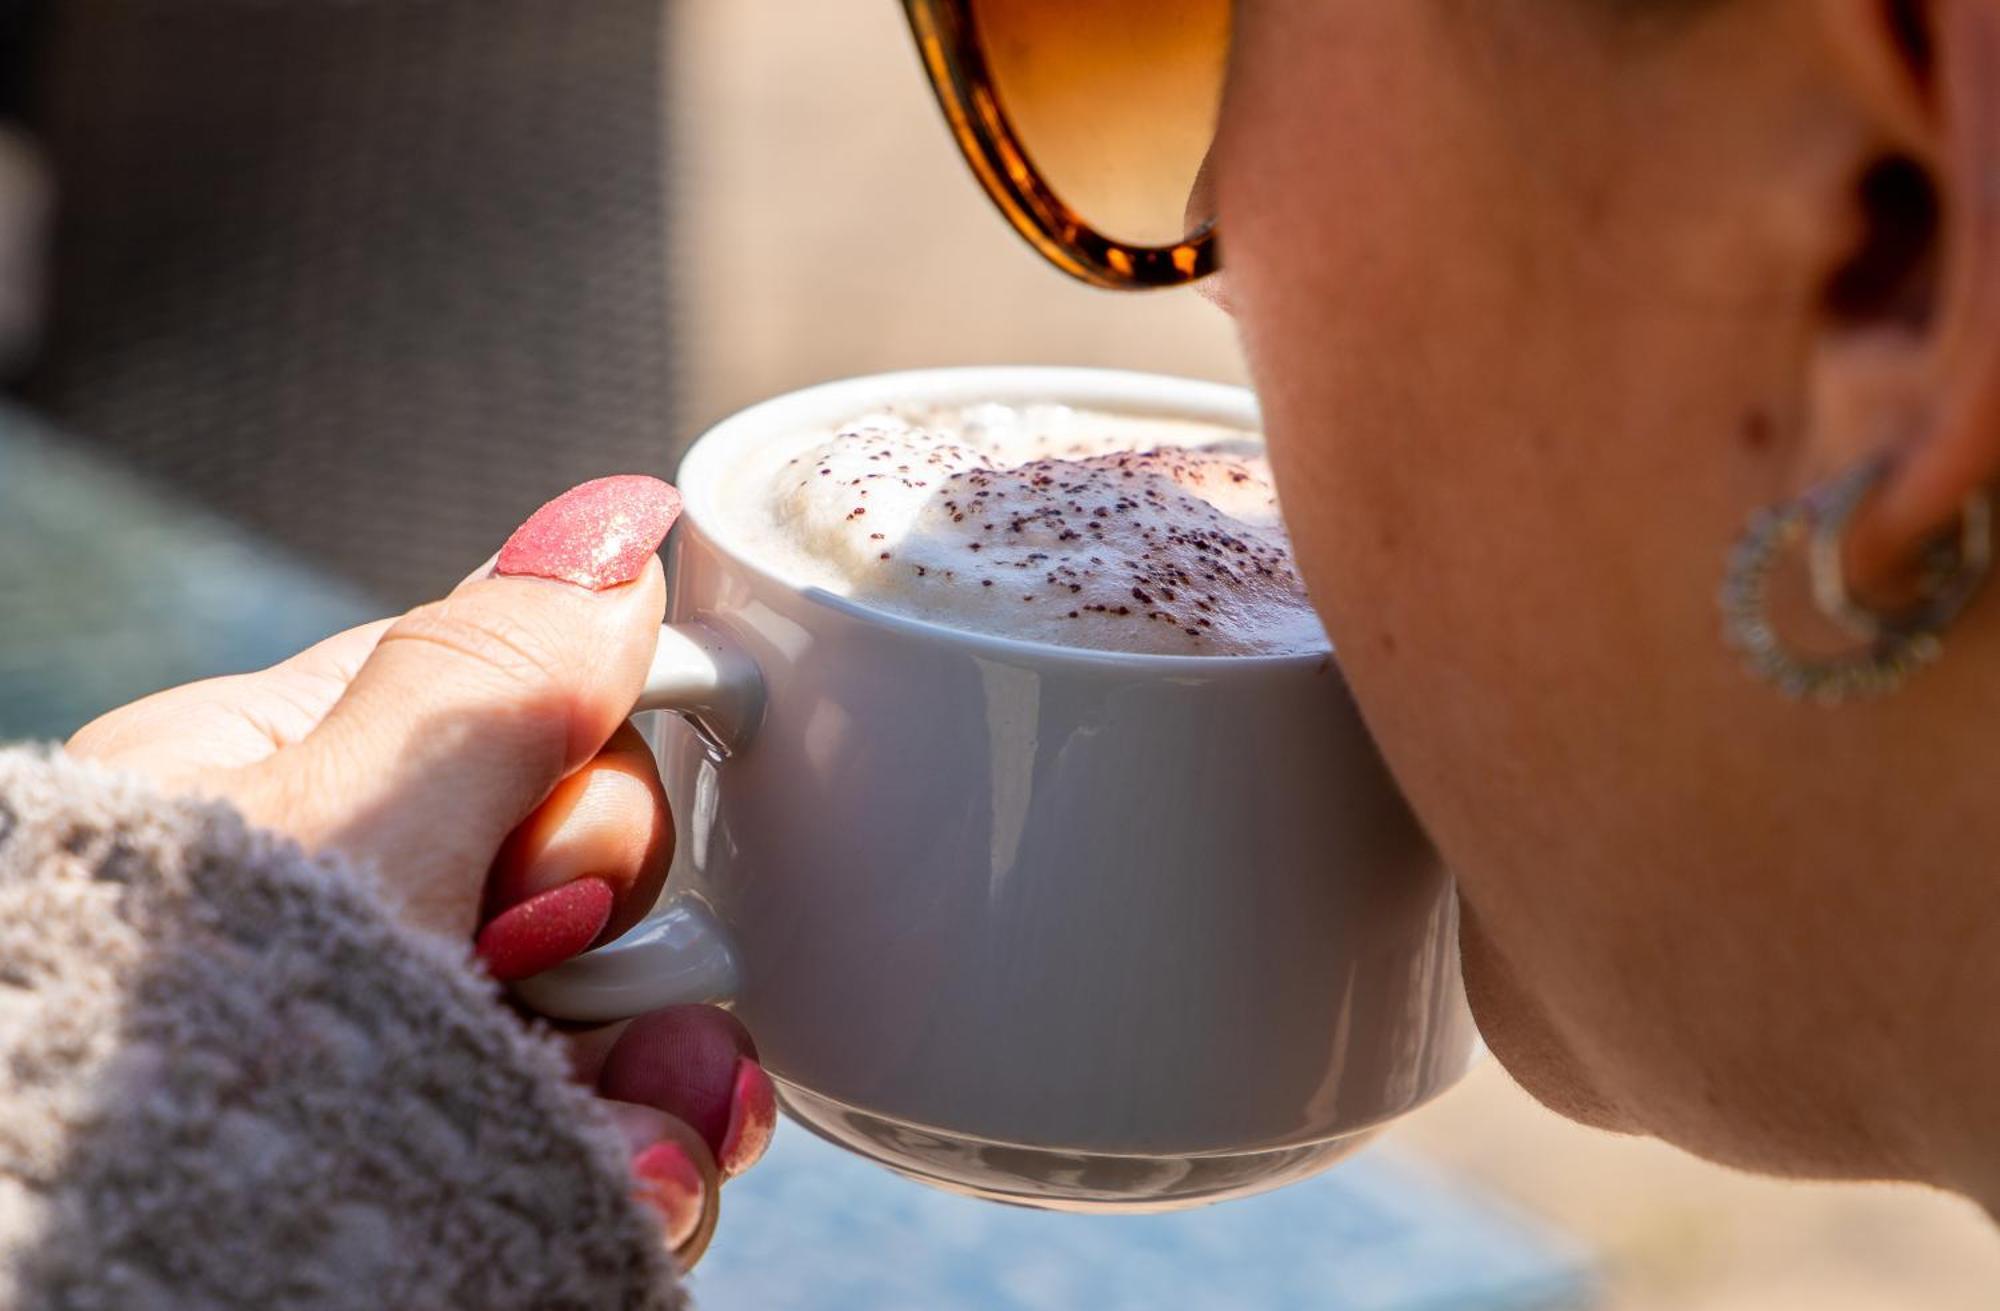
<point>471,709</point>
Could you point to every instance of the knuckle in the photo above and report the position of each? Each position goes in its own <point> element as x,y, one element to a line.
<point>489,641</point>
<point>508,667</point>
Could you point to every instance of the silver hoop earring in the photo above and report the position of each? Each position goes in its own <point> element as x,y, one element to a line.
<point>1893,646</point>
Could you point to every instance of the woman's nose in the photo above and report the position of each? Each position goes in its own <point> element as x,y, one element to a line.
<point>1215,289</point>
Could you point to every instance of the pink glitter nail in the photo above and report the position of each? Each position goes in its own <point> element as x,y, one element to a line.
<point>753,1118</point>
<point>665,1177</point>
<point>595,535</point>
<point>545,930</point>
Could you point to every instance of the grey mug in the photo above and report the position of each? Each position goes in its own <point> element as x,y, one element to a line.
<point>1068,928</point>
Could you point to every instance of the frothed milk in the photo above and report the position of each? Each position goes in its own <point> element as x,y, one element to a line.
<point>1080,528</point>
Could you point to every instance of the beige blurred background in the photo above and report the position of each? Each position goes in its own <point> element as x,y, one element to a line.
<point>827,229</point>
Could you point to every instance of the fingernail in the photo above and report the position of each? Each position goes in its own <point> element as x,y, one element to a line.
<point>545,930</point>
<point>753,1118</point>
<point>665,1178</point>
<point>596,535</point>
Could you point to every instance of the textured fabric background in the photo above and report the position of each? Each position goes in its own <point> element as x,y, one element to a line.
<point>375,277</point>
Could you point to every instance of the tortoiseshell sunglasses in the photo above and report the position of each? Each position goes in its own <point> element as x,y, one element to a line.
<point>1088,123</point>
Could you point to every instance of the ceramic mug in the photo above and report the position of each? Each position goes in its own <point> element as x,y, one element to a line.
<point>1069,928</point>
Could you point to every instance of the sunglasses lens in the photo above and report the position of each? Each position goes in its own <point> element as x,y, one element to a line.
<point>1114,102</point>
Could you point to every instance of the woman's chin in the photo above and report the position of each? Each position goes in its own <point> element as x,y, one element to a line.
<point>1519,1034</point>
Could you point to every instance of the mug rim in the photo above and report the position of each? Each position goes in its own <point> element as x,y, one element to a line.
<point>1127,391</point>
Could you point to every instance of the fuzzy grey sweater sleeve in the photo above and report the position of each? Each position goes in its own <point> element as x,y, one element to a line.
<point>228,1079</point>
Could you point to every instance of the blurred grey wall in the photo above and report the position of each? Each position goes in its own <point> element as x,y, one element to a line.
<point>372,277</point>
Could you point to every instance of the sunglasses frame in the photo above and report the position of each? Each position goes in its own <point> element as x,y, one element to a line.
<point>952,57</point>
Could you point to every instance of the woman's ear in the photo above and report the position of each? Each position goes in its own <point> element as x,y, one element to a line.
<point>1907,356</point>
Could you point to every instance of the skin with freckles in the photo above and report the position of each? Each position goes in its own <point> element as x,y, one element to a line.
<point>1543,298</point>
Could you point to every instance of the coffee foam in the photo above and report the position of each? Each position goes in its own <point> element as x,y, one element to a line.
<point>1113,532</point>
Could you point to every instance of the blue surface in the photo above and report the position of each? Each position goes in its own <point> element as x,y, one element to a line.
<point>110,589</point>
<point>813,1229</point>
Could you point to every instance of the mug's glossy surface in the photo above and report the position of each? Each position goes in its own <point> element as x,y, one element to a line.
<point>1063,927</point>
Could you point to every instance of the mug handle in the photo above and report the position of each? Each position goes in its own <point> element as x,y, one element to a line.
<point>680,953</point>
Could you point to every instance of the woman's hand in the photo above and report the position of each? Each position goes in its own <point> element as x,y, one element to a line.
<point>476,752</point>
